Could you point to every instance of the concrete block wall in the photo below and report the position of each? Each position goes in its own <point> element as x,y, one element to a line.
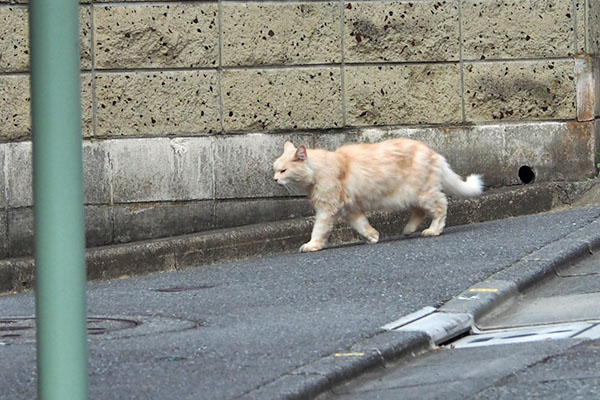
<point>185,104</point>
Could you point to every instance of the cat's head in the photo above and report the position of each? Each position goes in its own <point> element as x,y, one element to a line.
<point>292,167</point>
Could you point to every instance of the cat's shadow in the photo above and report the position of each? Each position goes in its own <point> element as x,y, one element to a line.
<point>391,239</point>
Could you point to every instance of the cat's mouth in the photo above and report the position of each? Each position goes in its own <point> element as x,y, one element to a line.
<point>280,180</point>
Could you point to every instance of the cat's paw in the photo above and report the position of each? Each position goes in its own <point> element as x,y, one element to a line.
<point>310,246</point>
<point>430,232</point>
<point>372,236</point>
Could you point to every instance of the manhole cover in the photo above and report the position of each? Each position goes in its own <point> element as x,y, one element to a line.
<point>573,330</point>
<point>14,330</point>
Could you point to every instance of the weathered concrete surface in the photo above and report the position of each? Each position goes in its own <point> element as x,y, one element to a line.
<point>520,90</point>
<point>157,103</point>
<point>401,31</point>
<point>555,151</point>
<point>142,36</point>
<point>519,29</point>
<point>143,221</point>
<point>235,213</point>
<point>404,94</point>
<point>14,114</point>
<point>279,99</point>
<point>286,236</point>
<point>588,27</point>
<point>161,170</point>
<point>15,121</point>
<point>588,84</point>
<point>163,68</point>
<point>98,226</point>
<point>244,165</point>
<point>143,170</point>
<point>281,33</point>
<point>18,181</point>
<point>149,188</point>
<point>14,31</point>
<point>4,233</point>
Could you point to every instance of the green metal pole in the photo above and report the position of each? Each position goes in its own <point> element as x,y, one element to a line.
<point>58,200</point>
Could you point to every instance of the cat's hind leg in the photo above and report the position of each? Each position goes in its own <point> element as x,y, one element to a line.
<point>359,222</point>
<point>415,220</point>
<point>436,205</point>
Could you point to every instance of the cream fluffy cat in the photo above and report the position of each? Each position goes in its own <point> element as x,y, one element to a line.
<point>390,175</point>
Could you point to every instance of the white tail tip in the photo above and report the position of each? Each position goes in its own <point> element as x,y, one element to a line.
<point>474,185</point>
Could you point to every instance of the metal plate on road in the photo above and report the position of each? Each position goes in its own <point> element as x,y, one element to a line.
<point>572,330</point>
<point>439,326</point>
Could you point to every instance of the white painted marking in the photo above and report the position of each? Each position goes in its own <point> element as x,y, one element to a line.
<point>476,297</point>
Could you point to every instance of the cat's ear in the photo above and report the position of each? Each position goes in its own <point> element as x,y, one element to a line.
<point>301,154</point>
<point>289,147</point>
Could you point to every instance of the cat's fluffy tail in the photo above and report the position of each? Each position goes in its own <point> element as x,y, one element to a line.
<point>454,185</point>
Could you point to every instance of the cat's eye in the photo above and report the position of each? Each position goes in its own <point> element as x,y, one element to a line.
<point>282,171</point>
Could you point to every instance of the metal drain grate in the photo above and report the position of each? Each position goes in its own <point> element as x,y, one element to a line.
<point>573,330</point>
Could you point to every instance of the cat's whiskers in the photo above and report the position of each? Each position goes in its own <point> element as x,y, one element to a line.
<point>291,190</point>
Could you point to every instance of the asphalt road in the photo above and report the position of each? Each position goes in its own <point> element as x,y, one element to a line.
<point>544,344</point>
<point>232,330</point>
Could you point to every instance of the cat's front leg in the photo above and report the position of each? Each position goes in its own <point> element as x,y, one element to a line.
<point>321,230</point>
<point>311,246</point>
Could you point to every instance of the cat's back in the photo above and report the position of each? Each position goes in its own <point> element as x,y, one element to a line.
<point>384,174</point>
<point>388,151</point>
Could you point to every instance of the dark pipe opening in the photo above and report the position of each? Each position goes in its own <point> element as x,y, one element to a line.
<point>526,174</point>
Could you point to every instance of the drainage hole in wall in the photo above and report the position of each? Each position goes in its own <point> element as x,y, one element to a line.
<point>526,174</point>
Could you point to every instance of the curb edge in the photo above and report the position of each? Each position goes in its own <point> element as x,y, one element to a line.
<point>418,332</point>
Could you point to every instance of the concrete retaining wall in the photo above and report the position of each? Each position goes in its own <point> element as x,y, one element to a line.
<point>185,104</point>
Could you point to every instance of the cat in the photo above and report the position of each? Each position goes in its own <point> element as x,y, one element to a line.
<point>390,175</point>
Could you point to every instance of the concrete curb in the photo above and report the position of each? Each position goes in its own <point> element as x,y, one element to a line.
<point>313,379</point>
<point>430,327</point>
<point>205,248</point>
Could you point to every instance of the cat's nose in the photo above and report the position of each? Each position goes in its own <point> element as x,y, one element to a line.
<point>275,179</point>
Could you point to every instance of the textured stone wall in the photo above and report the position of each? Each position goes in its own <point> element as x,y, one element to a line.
<point>185,104</point>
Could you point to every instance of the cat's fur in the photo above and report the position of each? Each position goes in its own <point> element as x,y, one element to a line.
<point>390,175</point>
